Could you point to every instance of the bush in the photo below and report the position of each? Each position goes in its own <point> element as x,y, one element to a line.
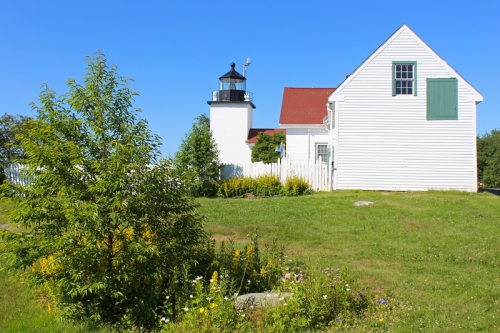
<point>295,186</point>
<point>266,185</point>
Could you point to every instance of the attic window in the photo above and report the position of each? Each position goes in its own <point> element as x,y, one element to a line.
<point>404,78</point>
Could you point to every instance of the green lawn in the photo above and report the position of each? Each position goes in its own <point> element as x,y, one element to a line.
<point>436,253</point>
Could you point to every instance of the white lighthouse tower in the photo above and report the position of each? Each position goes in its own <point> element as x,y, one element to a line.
<point>231,110</point>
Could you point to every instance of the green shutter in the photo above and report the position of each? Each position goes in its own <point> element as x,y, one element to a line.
<point>442,99</point>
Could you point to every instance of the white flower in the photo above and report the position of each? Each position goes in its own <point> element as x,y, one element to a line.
<point>347,289</point>
<point>251,306</point>
<point>243,315</point>
<point>190,296</point>
<point>226,298</point>
<point>209,298</point>
<point>248,281</point>
<point>325,296</point>
<point>167,297</point>
<point>284,304</point>
<point>186,309</point>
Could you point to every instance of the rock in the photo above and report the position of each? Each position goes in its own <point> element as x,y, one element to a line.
<point>255,299</point>
<point>250,196</point>
<point>363,203</point>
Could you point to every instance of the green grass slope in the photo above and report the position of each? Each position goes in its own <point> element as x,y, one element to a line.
<point>437,253</point>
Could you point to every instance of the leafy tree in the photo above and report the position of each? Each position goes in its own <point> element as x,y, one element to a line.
<point>107,224</point>
<point>265,147</point>
<point>9,146</point>
<point>198,159</point>
<point>488,158</point>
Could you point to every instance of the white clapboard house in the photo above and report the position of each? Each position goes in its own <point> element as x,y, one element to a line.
<point>403,120</point>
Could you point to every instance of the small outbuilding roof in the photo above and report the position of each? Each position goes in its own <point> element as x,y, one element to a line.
<point>304,105</point>
<point>254,133</point>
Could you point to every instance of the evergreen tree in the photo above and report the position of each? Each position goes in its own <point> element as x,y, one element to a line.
<point>197,160</point>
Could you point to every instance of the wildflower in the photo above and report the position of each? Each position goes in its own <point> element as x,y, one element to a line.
<point>382,301</point>
<point>325,296</point>
<point>287,275</point>
<point>226,298</point>
<point>243,315</point>
<point>202,310</point>
<point>213,305</point>
<point>186,309</point>
<point>167,297</point>
<point>190,296</point>
<point>347,289</point>
<point>339,319</point>
<point>165,320</point>
<point>381,320</point>
<point>251,306</point>
<point>248,281</point>
<point>209,298</point>
<point>284,304</point>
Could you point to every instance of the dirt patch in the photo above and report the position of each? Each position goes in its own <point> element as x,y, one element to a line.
<point>5,226</point>
<point>412,225</point>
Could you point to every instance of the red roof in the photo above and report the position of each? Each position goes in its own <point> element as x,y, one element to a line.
<point>254,133</point>
<point>304,105</point>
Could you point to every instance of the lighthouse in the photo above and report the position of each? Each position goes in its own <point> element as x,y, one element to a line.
<point>231,111</point>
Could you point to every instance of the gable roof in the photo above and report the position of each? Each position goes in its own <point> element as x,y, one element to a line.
<point>304,105</point>
<point>254,133</point>
<point>404,27</point>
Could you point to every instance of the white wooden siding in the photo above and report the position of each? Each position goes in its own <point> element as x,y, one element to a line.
<point>297,142</point>
<point>385,142</point>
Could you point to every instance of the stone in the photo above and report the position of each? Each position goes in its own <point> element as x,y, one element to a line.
<point>363,203</point>
<point>250,196</point>
<point>260,299</point>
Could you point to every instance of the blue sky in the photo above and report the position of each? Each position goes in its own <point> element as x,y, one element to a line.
<point>176,50</point>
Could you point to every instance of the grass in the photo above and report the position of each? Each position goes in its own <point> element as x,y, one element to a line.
<point>437,253</point>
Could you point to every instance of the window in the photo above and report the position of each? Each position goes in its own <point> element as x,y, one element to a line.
<point>322,151</point>
<point>404,78</point>
<point>442,99</point>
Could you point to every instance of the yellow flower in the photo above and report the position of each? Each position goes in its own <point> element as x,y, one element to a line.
<point>202,310</point>
<point>381,320</point>
<point>213,305</point>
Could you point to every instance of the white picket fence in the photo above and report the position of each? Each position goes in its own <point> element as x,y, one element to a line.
<point>14,175</point>
<point>314,172</point>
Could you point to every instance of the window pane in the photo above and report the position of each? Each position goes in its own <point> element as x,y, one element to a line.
<point>403,91</point>
<point>410,75</point>
<point>404,68</point>
<point>404,75</point>
<point>398,68</point>
<point>410,68</point>
<point>410,83</point>
<point>403,84</point>
<point>398,91</point>
<point>398,75</point>
<point>398,84</point>
<point>410,91</point>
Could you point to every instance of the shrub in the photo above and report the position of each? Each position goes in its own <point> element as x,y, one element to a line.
<point>295,186</point>
<point>266,185</point>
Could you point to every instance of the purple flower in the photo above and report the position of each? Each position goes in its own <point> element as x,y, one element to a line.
<point>382,301</point>
<point>287,275</point>
<point>339,319</point>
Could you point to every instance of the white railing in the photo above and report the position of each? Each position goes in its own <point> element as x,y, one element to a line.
<point>314,172</point>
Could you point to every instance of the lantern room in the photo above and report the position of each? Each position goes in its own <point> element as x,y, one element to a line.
<point>232,86</point>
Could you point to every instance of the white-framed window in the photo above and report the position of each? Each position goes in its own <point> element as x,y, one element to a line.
<point>322,151</point>
<point>404,78</point>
